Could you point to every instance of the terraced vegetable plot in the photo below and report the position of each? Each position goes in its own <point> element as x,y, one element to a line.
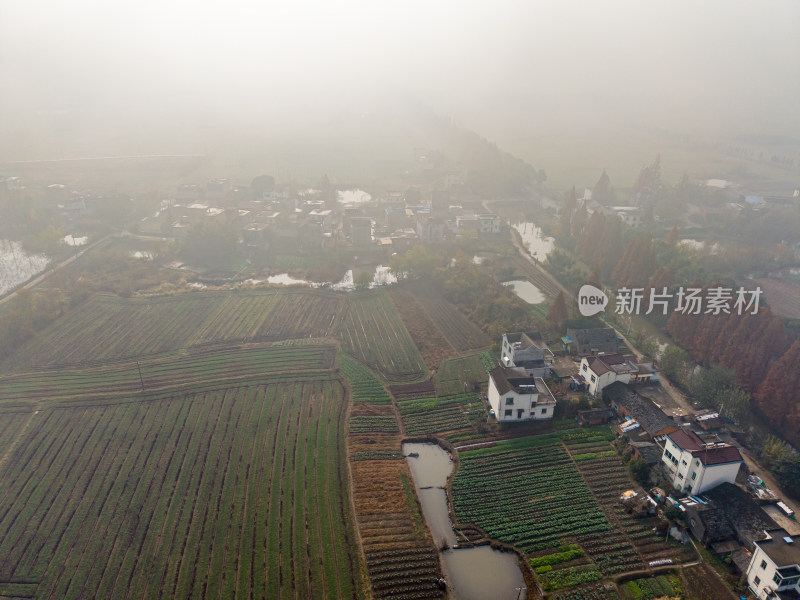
<point>462,333</point>
<point>401,560</point>
<point>525,492</point>
<point>372,332</point>
<point>107,328</point>
<point>460,374</point>
<point>632,543</point>
<point>431,415</point>
<point>230,493</point>
<point>165,371</point>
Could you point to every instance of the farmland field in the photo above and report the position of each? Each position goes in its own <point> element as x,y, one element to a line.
<point>429,339</point>
<point>164,371</point>
<point>543,497</point>
<point>401,560</point>
<point>462,333</point>
<point>423,416</point>
<point>456,374</point>
<point>107,328</point>
<point>372,332</point>
<point>234,492</point>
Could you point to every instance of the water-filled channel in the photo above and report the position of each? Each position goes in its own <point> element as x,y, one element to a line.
<point>472,573</point>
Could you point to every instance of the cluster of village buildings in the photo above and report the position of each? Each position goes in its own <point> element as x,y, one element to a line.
<point>734,515</point>
<point>313,218</point>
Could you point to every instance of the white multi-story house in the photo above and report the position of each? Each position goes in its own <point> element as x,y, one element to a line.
<point>774,570</point>
<point>528,351</point>
<point>604,369</point>
<point>695,466</point>
<point>516,396</point>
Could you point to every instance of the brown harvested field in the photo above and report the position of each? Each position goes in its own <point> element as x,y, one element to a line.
<point>433,346</point>
<point>782,295</point>
<point>701,583</point>
<point>462,333</point>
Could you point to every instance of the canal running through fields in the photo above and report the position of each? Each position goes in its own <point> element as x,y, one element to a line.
<point>473,573</point>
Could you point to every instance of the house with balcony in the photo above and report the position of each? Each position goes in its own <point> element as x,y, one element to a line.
<point>516,396</point>
<point>774,570</point>
<point>695,466</point>
<point>528,351</point>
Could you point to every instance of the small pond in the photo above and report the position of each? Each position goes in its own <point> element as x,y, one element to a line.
<point>527,291</point>
<point>538,244</point>
<point>471,573</point>
<point>17,265</point>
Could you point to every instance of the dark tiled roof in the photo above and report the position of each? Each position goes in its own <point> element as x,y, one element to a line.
<point>742,512</point>
<point>650,417</point>
<point>600,335</point>
<point>686,440</point>
<point>718,455</point>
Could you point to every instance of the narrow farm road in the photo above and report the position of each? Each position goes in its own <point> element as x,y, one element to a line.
<point>40,278</point>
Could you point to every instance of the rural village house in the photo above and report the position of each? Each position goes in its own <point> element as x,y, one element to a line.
<point>604,369</point>
<point>774,570</point>
<point>527,351</point>
<point>642,419</point>
<point>516,396</point>
<point>586,342</point>
<point>696,466</point>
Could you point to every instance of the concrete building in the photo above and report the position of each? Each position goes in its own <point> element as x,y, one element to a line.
<point>604,369</point>
<point>586,342</point>
<point>515,396</point>
<point>774,570</point>
<point>696,466</point>
<point>528,351</point>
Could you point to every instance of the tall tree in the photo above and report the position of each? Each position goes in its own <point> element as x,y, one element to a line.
<point>602,191</point>
<point>672,236</point>
<point>777,395</point>
<point>558,310</point>
<point>637,264</point>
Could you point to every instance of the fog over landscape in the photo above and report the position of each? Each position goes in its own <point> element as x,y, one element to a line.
<point>91,78</point>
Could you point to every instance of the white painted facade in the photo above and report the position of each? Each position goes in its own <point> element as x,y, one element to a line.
<point>596,382</point>
<point>765,576</point>
<point>690,475</point>
<point>530,402</point>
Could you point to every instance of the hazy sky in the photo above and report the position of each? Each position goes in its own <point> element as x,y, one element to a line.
<point>72,66</point>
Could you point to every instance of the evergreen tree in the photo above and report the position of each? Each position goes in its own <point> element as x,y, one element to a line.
<point>558,310</point>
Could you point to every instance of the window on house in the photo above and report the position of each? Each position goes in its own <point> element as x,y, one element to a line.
<point>684,463</point>
<point>778,579</point>
<point>533,404</point>
<point>509,401</point>
<point>763,564</point>
<point>594,378</point>
<point>519,413</point>
<point>680,475</point>
<point>757,581</point>
<point>697,462</point>
<point>694,476</point>
<point>544,411</point>
<point>668,454</point>
<point>584,366</point>
<point>508,412</point>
